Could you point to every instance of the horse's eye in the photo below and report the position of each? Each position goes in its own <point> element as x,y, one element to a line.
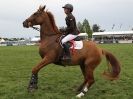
<point>35,14</point>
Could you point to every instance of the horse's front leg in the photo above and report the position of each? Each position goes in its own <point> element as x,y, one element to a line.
<point>34,77</point>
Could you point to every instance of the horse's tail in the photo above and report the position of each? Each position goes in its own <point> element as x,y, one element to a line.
<point>113,64</point>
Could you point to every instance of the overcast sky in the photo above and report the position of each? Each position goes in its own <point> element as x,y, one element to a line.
<point>102,12</point>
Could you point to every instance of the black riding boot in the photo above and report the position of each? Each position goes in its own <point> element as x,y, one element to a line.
<point>67,52</point>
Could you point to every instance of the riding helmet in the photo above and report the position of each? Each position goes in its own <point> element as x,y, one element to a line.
<point>68,6</point>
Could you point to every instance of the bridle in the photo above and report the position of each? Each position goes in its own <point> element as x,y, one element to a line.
<point>38,29</point>
<point>58,38</point>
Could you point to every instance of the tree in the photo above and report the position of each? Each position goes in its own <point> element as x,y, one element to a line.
<point>80,27</point>
<point>86,28</point>
<point>96,28</point>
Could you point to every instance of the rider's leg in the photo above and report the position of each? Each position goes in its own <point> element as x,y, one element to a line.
<point>66,46</point>
<point>68,38</point>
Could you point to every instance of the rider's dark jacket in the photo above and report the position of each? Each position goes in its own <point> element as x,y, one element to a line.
<point>71,25</point>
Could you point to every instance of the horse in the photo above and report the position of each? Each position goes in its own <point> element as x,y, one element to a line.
<point>88,58</point>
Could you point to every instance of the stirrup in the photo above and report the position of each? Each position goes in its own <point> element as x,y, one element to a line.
<point>66,57</point>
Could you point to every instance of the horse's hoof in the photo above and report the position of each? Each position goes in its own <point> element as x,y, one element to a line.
<point>32,88</point>
<point>80,95</point>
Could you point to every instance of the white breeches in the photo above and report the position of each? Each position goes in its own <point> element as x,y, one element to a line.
<point>69,37</point>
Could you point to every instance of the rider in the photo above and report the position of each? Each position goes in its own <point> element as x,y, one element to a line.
<point>71,29</point>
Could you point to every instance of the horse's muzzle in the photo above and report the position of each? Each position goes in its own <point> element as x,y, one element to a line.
<point>27,24</point>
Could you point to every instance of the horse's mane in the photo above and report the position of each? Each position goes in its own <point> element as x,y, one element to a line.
<point>52,20</point>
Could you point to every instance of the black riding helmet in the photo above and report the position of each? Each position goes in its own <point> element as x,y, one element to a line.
<point>68,6</point>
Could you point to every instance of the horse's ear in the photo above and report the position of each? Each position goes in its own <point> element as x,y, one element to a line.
<point>43,8</point>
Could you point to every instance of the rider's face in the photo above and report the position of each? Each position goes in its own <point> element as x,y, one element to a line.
<point>67,11</point>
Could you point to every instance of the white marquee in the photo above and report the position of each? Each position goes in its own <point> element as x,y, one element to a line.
<point>112,33</point>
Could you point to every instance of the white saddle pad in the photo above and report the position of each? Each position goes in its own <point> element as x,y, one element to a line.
<point>77,45</point>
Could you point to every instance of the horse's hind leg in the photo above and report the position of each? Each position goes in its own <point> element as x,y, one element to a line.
<point>89,79</point>
<point>82,67</point>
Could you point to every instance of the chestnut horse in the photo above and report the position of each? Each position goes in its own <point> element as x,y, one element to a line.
<point>89,57</point>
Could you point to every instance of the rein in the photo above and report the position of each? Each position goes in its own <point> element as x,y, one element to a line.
<point>37,29</point>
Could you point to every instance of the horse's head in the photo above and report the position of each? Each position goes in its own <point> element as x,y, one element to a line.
<point>36,19</point>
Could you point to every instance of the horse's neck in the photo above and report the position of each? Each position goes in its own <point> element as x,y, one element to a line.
<point>46,30</point>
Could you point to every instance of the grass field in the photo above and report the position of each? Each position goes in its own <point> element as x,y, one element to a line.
<point>57,82</point>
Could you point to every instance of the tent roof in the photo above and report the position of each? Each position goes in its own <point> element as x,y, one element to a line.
<point>112,33</point>
<point>35,39</point>
<point>2,40</point>
<point>83,34</point>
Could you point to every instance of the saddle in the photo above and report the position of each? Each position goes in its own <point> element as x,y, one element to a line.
<point>70,42</point>
<point>72,46</point>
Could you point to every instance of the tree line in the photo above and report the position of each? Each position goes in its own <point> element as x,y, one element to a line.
<point>84,27</point>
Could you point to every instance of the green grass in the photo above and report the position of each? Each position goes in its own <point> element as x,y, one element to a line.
<point>57,82</point>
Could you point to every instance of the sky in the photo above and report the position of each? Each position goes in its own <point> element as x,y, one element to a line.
<point>102,12</point>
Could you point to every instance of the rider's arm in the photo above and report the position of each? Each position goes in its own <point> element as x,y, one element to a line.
<point>70,25</point>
